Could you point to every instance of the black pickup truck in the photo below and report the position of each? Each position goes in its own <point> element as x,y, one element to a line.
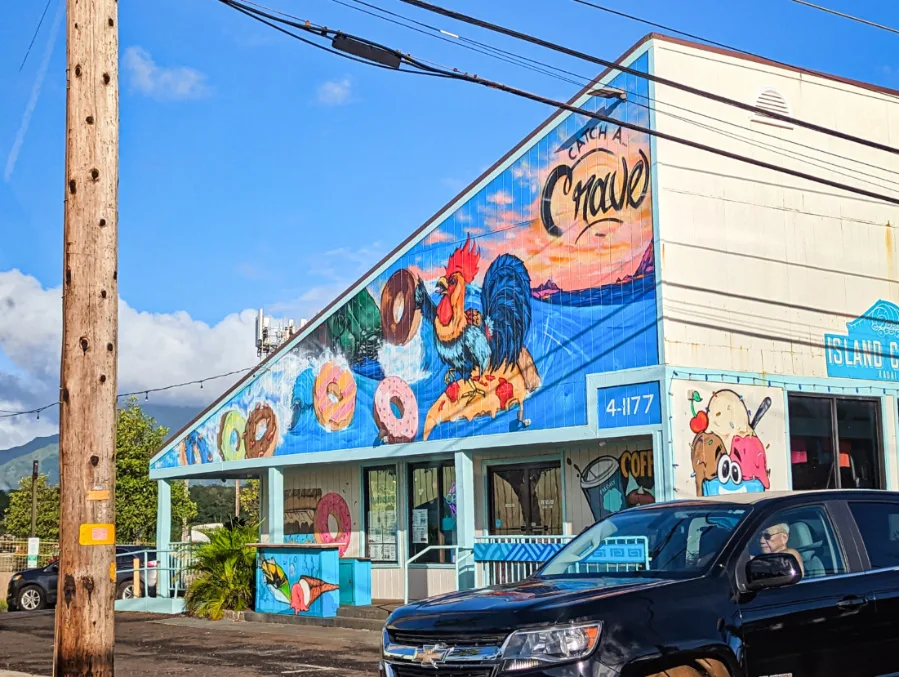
<point>743,585</point>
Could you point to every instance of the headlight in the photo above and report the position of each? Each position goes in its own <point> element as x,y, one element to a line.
<point>16,577</point>
<point>530,649</point>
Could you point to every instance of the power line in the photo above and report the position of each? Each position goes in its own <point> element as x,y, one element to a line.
<point>34,37</point>
<point>458,75</point>
<point>708,41</point>
<point>582,80</point>
<point>145,392</point>
<point>458,16</point>
<point>847,16</point>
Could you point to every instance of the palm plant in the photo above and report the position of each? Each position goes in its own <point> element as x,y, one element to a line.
<point>223,572</point>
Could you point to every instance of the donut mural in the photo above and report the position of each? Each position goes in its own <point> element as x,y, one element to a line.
<point>332,506</point>
<point>334,398</point>
<point>261,432</point>
<point>490,319</point>
<point>231,436</point>
<point>725,433</point>
<point>396,411</point>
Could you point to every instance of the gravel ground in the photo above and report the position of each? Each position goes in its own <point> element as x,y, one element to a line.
<point>148,644</point>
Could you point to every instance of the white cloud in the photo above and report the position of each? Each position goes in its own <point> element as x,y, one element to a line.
<point>155,350</point>
<point>165,84</point>
<point>334,92</point>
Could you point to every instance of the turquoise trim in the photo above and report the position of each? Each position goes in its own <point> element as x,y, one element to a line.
<point>391,453</point>
<point>465,501</point>
<point>795,384</point>
<point>274,480</point>
<point>788,445</point>
<point>163,534</point>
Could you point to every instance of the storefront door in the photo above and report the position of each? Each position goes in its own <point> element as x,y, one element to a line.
<point>526,500</point>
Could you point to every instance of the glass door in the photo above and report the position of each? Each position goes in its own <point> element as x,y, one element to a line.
<point>526,500</point>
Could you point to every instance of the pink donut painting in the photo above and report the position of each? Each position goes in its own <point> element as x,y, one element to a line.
<point>396,410</point>
<point>334,397</point>
<point>333,504</point>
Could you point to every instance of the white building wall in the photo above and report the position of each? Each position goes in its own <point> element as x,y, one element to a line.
<point>757,266</point>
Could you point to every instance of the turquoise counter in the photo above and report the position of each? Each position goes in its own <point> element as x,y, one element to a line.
<point>297,579</point>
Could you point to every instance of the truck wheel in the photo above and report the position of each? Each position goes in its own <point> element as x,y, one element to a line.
<point>31,598</point>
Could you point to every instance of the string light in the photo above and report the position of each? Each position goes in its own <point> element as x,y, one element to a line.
<point>146,393</point>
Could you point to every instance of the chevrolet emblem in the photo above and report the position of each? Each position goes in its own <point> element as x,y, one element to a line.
<point>431,656</point>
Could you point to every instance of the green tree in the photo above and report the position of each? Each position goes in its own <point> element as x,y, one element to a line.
<point>249,501</point>
<point>138,437</point>
<point>17,517</point>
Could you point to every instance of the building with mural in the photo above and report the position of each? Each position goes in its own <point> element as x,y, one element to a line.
<point>604,319</point>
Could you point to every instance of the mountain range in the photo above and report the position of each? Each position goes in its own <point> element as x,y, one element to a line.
<point>15,462</point>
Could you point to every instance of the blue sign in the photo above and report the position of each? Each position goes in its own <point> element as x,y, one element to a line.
<point>870,349</point>
<point>629,405</point>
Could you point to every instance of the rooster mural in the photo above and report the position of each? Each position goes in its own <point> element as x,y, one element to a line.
<point>489,367</point>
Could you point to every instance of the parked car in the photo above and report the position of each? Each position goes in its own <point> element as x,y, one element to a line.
<point>33,589</point>
<point>736,586</point>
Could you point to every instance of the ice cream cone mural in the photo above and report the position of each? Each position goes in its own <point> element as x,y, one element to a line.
<point>301,595</point>
<point>306,590</point>
<point>727,455</point>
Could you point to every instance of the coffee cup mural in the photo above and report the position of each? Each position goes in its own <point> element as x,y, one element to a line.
<point>614,483</point>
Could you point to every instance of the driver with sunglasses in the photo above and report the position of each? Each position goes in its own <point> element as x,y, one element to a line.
<point>774,540</point>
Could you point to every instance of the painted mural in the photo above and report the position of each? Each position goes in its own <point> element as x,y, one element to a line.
<point>310,517</point>
<point>611,482</point>
<point>732,438</point>
<point>487,325</point>
<point>298,584</point>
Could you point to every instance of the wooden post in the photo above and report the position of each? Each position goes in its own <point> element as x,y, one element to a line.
<point>84,612</point>
<point>135,577</point>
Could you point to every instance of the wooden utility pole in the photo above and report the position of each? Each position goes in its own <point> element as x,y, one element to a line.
<point>84,611</point>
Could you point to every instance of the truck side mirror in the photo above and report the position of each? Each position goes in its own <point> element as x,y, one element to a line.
<point>772,570</point>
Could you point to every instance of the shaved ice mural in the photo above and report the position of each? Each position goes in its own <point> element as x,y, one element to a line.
<point>728,438</point>
<point>489,324</point>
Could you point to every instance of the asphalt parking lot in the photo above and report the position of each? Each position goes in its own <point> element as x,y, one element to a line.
<point>148,644</point>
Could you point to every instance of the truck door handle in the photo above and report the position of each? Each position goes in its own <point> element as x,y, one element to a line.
<point>852,602</point>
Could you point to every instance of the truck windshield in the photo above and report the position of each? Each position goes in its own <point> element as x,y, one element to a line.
<point>664,542</point>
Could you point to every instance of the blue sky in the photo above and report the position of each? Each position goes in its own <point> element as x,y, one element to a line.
<point>258,171</point>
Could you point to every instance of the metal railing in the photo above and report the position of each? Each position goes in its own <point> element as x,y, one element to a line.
<point>531,557</point>
<point>166,573</point>
<point>461,555</point>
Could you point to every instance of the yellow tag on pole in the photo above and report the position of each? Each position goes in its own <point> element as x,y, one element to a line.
<point>97,534</point>
<point>98,495</point>
<point>112,571</point>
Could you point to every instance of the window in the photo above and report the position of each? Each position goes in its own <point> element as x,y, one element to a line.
<point>879,524</point>
<point>835,443</point>
<point>432,501</point>
<point>805,533</point>
<point>380,514</point>
<point>526,500</point>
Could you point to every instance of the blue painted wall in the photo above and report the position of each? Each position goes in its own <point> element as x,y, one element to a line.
<point>543,276</point>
